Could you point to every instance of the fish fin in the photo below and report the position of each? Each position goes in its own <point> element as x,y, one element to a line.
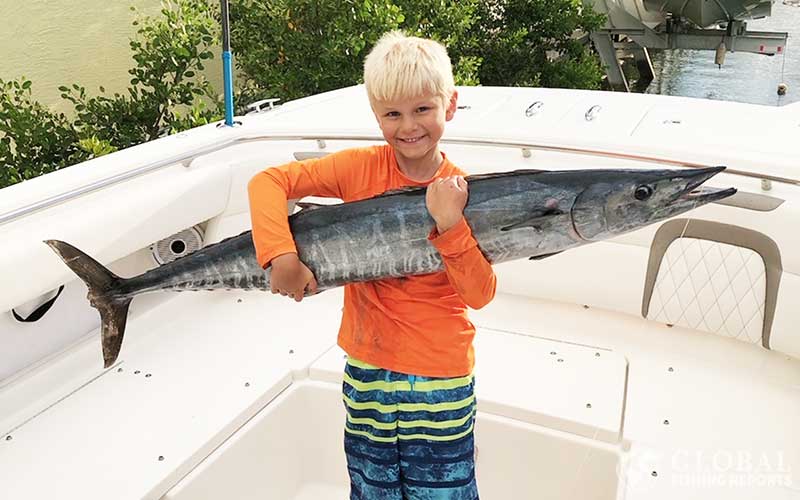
<point>101,283</point>
<point>402,190</point>
<point>494,175</point>
<point>534,222</point>
<point>544,255</point>
<point>307,205</point>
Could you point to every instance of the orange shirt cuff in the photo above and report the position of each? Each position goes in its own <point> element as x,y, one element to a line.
<point>265,259</point>
<point>454,241</point>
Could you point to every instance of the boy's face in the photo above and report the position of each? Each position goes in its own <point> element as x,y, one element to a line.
<point>414,126</point>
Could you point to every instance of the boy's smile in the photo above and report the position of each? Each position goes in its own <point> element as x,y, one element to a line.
<point>413,127</point>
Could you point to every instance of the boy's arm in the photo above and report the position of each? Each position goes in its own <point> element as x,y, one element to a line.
<point>270,190</point>
<point>468,271</point>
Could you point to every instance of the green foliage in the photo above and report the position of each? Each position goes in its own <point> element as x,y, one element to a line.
<point>33,139</point>
<point>533,43</point>
<point>295,48</point>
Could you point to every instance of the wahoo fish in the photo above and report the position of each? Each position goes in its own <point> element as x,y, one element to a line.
<point>513,215</point>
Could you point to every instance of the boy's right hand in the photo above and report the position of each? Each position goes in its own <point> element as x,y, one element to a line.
<point>290,277</point>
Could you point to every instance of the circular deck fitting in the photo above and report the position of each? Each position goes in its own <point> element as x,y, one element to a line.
<point>119,370</point>
<point>666,422</point>
<point>588,405</point>
<point>9,438</point>
<point>291,351</point>
<point>670,369</point>
<point>654,474</point>
<point>597,355</point>
<point>238,301</point>
<point>247,384</point>
<point>161,458</point>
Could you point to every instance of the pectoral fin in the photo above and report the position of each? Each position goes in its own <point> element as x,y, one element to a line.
<point>544,255</point>
<point>534,222</point>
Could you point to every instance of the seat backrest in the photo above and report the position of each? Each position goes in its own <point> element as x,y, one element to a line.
<point>714,277</point>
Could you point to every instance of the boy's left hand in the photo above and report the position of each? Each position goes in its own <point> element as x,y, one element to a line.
<point>446,198</point>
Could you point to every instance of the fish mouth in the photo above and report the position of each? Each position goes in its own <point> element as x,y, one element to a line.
<point>695,194</point>
<point>704,194</point>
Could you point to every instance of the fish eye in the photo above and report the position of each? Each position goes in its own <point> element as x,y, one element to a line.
<point>643,192</point>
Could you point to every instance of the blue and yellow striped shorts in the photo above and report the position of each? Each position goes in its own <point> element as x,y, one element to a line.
<point>408,437</point>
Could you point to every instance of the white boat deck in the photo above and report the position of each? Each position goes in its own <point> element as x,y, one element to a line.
<point>185,383</point>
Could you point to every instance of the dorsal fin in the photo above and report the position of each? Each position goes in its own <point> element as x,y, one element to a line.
<point>402,190</point>
<point>307,205</point>
<point>478,177</point>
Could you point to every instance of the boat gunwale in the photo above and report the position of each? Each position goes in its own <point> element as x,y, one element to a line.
<point>188,157</point>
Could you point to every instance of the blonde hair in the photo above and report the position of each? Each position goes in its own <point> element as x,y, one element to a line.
<point>401,66</point>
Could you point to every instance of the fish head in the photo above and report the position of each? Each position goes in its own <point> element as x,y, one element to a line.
<point>616,202</point>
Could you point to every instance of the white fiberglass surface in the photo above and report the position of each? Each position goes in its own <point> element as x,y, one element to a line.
<point>293,450</point>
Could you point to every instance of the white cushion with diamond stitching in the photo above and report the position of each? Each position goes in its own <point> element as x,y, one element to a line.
<point>710,286</point>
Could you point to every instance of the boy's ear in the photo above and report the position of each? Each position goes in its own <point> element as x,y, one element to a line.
<point>451,106</point>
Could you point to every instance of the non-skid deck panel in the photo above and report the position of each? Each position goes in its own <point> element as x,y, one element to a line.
<point>689,393</point>
<point>191,372</point>
<point>573,388</point>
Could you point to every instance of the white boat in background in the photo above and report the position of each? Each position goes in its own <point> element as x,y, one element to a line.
<point>664,364</point>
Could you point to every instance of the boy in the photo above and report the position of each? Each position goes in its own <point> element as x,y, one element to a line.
<point>408,385</point>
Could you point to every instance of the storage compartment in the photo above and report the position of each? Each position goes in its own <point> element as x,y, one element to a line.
<point>293,449</point>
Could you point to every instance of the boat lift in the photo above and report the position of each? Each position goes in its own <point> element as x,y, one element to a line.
<point>635,26</point>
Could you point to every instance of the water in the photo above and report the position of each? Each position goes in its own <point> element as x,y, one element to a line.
<point>750,78</point>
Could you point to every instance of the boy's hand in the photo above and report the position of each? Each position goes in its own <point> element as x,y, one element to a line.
<point>446,198</point>
<point>290,277</point>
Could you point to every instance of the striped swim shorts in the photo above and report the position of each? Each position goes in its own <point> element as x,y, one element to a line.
<point>408,437</point>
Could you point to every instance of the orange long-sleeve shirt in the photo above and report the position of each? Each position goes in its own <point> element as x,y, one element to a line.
<point>416,325</point>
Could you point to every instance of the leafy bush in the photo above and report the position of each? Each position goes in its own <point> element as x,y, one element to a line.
<point>33,139</point>
<point>532,43</point>
<point>295,48</point>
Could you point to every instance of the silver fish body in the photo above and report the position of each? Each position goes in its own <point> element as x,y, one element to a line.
<point>514,215</point>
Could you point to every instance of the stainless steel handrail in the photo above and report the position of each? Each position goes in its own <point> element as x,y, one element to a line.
<point>194,154</point>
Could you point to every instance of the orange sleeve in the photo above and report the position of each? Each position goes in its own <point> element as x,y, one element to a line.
<point>468,271</point>
<point>270,190</point>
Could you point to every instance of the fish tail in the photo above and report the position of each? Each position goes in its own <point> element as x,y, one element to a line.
<point>102,284</point>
